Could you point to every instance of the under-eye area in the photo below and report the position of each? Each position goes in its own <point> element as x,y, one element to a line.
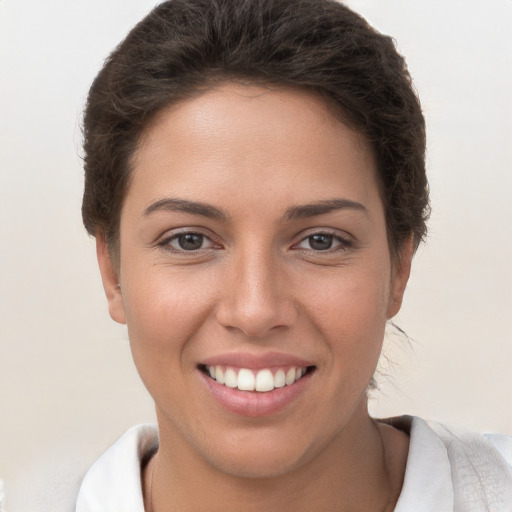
<point>261,380</point>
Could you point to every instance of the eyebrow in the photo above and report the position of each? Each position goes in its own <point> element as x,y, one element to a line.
<point>293,213</point>
<point>323,207</point>
<point>182,205</point>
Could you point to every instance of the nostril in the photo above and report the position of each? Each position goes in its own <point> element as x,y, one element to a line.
<point>256,319</point>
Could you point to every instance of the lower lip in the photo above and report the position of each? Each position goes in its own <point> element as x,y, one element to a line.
<point>255,403</point>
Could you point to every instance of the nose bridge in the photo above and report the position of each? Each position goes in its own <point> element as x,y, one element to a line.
<point>255,298</point>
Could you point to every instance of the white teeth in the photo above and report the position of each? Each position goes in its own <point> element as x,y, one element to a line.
<point>219,375</point>
<point>290,376</point>
<point>230,379</point>
<point>264,381</point>
<point>248,380</point>
<point>279,379</point>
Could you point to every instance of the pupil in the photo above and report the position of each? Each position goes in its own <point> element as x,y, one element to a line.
<point>190,241</point>
<point>320,242</point>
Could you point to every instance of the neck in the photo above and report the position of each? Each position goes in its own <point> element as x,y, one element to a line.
<point>360,469</point>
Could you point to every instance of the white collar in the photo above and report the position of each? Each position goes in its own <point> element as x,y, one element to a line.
<point>113,483</point>
<point>427,483</point>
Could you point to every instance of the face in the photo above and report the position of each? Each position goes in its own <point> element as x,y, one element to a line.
<point>255,278</point>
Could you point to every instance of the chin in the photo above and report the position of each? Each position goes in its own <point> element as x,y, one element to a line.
<point>261,455</point>
<point>260,466</point>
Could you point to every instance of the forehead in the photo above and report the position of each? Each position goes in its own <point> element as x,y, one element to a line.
<point>265,112</point>
<point>247,138</point>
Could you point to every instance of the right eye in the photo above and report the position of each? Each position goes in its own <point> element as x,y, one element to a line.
<point>187,242</point>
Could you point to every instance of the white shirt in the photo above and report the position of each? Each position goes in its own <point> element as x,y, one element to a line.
<point>2,495</point>
<point>446,471</point>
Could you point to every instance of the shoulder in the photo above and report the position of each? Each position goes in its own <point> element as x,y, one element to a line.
<point>114,481</point>
<point>454,469</point>
<point>47,483</point>
<point>503,444</point>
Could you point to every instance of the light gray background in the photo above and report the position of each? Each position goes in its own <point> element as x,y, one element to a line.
<point>68,387</point>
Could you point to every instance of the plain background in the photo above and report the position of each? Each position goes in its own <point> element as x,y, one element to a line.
<point>68,387</point>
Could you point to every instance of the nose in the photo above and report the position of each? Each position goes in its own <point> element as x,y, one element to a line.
<point>256,298</point>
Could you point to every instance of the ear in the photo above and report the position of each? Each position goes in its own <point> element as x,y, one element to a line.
<point>110,278</point>
<point>399,277</point>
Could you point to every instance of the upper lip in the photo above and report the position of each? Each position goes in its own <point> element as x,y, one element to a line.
<point>256,361</point>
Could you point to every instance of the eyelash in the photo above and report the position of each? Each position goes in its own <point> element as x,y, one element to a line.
<point>340,243</point>
<point>166,243</point>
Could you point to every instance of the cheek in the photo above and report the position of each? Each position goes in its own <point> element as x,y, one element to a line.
<point>159,326</point>
<point>350,311</point>
<point>165,310</point>
<point>158,317</point>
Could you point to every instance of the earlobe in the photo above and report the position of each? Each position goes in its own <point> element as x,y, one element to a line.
<point>400,277</point>
<point>110,278</point>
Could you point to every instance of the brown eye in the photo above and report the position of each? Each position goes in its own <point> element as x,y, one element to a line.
<point>188,242</point>
<point>324,242</point>
<point>320,242</point>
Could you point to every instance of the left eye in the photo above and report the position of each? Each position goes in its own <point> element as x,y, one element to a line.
<point>320,242</point>
<point>189,242</point>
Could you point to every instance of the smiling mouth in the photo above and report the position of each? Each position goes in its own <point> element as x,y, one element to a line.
<point>262,381</point>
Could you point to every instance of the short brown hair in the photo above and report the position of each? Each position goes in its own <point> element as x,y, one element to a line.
<point>184,46</point>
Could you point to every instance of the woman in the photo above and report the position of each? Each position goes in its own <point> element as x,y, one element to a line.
<point>255,182</point>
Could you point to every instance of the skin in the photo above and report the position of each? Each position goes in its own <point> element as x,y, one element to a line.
<point>257,284</point>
